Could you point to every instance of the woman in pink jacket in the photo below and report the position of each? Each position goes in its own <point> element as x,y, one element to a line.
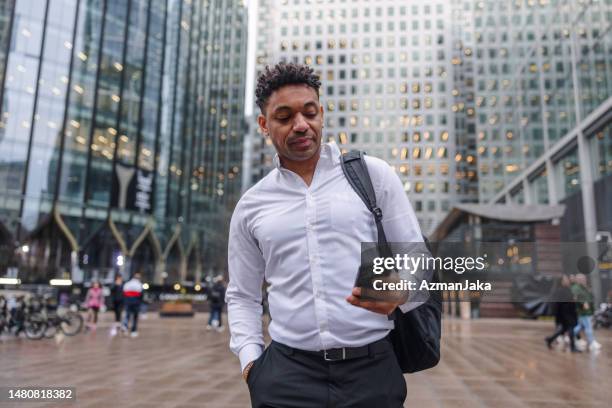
<point>94,301</point>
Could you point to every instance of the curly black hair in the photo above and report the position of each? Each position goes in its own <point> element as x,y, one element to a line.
<point>283,74</point>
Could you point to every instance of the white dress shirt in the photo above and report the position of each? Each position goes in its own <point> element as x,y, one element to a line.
<point>305,241</point>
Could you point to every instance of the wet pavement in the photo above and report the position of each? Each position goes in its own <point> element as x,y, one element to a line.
<point>175,362</point>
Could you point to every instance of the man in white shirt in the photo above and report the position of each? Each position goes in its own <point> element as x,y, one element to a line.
<point>300,229</point>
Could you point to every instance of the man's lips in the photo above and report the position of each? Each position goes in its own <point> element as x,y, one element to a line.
<point>300,142</point>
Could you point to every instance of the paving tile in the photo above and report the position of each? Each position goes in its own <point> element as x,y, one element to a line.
<point>176,362</point>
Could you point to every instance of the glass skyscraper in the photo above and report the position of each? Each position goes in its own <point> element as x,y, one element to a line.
<point>542,81</point>
<point>541,68</point>
<point>468,100</point>
<point>543,85</point>
<point>120,136</point>
<point>387,86</point>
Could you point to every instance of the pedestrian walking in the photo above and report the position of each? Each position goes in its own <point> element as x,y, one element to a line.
<point>585,307</point>
<point>300,229</point>
<point>565,314</point>
<point>116,294</point>
<point>94,299</point>
<point>216,299</point>
<point>132,298</point>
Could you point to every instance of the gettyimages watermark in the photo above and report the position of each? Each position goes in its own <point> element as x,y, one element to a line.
<point>497,272</point>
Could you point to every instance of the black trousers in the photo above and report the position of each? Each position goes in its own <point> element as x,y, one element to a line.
<point>118,307</point>
<point>131,311</point>
<point>563,328</point>
<point>286,378</point>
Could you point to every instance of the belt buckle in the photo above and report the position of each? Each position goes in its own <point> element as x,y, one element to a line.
<point>326,358</point>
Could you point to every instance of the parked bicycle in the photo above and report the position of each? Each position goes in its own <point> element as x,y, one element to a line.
<point>62,319</point>
<point>20,318</point>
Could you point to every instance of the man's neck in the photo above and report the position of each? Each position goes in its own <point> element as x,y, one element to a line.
<point>305,169</point>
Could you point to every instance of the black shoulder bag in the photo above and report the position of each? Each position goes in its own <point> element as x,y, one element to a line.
<point>416,336</point>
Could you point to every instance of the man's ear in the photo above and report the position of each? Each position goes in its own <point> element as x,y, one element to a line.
<point>261,120</point>
<point>322,114</point>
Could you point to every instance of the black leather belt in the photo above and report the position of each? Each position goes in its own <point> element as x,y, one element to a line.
<point>345,353</point>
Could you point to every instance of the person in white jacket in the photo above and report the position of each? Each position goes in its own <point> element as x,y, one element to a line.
<point>132,298</point>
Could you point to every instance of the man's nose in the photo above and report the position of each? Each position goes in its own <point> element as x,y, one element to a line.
<point>299,124</point>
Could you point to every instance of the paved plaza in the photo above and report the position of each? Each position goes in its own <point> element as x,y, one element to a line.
<point>177,363</point>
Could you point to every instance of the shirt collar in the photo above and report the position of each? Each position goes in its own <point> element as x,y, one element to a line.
<point>330,153</point>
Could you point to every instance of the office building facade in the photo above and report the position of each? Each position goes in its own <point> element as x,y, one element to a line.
<point>563,119</point>
<point>542,81</point>
<point>542,68</point>
<point>460,97</point>
<point>387,74</point>
<point>120,137</point>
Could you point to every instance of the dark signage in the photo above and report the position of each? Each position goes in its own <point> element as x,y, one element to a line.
<point>133,189</point>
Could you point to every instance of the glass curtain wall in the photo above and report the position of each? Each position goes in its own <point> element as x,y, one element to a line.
<point>19,97</point>
<point>526,93</point>
<point>115,118</point>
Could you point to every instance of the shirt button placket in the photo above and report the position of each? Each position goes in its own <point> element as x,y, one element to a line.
<point>313,257</point>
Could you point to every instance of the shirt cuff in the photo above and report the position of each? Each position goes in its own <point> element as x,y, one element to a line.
<point>408,306</point>
<point>249,353</point>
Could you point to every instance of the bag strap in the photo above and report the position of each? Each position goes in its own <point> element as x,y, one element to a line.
<point>356,172</point>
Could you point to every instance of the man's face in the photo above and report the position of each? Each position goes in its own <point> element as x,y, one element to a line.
<point>294,119</point>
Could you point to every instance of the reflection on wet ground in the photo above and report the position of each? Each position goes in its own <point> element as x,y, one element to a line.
<point>176,362</point>
<point>505,363</point>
